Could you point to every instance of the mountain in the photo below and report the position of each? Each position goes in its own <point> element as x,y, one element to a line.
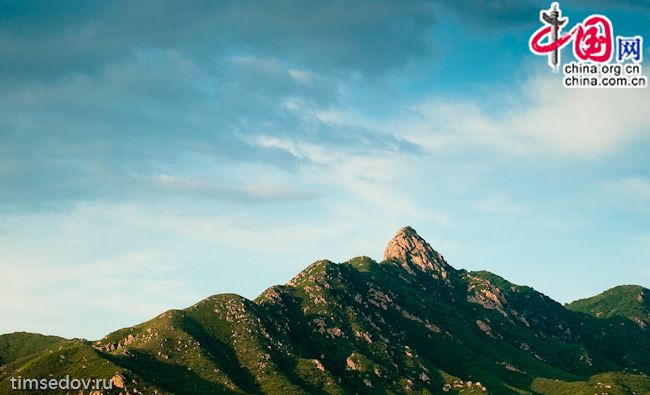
<point>410,324</point>
<point>627,301</point>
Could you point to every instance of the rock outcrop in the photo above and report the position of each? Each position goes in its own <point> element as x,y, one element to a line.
<point>415,254</point>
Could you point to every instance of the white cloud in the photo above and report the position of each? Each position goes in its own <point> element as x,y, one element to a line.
<point>541,118</point>
<point>300,149</point>
<point>379,181</point>
<point>301,75</point>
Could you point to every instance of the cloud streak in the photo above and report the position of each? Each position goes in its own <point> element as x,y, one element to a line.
<point>537,120</point>
<point>161,113</point>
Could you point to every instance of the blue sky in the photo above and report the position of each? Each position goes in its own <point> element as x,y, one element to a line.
<point>152,155</point>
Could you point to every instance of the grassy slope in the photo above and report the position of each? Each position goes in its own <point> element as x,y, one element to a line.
<point>628,301</point>
<point>21,344</point>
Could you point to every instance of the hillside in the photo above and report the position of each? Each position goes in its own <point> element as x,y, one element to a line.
<point>14,346</point>
<point>408,324</point>
<point>627,301</point>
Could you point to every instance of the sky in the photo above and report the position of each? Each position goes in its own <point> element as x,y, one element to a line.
<point>154,153</point>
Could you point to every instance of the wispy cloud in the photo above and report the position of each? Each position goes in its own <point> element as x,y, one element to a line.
<point>162,113</point>
<point>258,191</point>
<point>634,187</point>
<point>538,119</point>
<point>46,295</point>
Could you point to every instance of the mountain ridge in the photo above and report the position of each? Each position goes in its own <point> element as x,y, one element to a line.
<point>627,301</point>
<point>409,324</point>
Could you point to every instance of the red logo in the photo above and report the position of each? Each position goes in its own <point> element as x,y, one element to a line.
<point>593,39</point>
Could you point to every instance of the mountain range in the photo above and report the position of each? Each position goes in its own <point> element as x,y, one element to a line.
<point>410,324</point>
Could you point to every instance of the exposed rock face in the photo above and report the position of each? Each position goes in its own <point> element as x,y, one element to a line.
<point>118,381</point>
<point>350,363</point>
<point>484,327</point>
<point>414,253</point>
<point>319,365</point>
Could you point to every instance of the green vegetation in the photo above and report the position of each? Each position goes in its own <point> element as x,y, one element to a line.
<point>14,346</point>
<point>613,383</point>
<point>627,301</point>
<point>410,324</point>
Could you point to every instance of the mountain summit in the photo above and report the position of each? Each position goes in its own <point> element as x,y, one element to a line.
<point>414,253</point>
<point>359,327</point>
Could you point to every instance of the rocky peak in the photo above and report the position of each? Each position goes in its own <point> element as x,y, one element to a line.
<point>414,253</point>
